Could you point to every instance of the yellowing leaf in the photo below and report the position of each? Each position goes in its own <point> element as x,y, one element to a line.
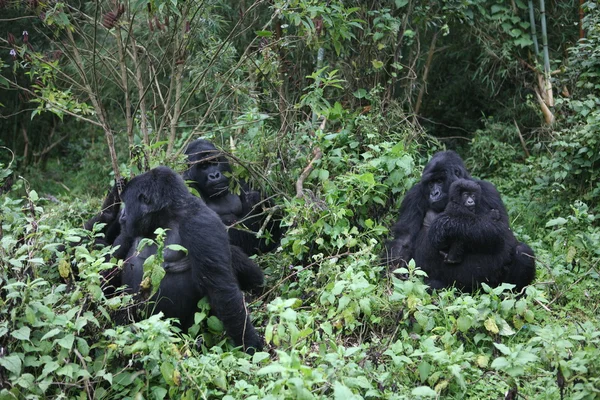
<point>64,268</point>
<point>491,326</point>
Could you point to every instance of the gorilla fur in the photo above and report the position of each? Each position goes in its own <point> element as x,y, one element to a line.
<point>160,199</point>
<point>209,173</point>
<point>426,200</point>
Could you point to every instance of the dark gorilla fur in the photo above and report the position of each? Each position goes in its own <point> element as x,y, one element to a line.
<point>462,209</point>
<point>209,173</point>
<point>428,198</point>
<point>472,238</point>
<point>249,275</point>
<point>160,198</point>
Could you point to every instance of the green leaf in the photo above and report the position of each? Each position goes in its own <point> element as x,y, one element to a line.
<point>264,33</point>
<point>360,93</point>
<point>401,3</point>
<point>323,174</point>
<point>464,323</point>
<point>50,334</point>
<point>424,370</point>
<point>377,64</point>
<point>214,324</point>
<point>259,357</point>
<point>22,333</point>
<point>424,391</point>
<point>556,222</point>
<point>271,369</point>
<point>12,363</point>
<point>503,348</point>
<point>341,392</point>
<point>289,315</point>
<point>66,342</point>
<point>177,247</point>
<point>500,363</point>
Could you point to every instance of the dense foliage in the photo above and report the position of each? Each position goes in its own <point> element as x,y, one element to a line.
<point>332,108</point>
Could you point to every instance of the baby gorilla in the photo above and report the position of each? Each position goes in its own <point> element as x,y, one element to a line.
<point>160,199</point>
<point>467,234</point>
<point>464,204</point>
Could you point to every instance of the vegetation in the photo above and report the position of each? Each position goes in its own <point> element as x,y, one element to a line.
<point>333,108</point>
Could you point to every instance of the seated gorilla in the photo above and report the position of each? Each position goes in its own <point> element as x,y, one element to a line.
<point>208,173</point>
<point>249,275</point>
<point>160,198</point>
<point>473,240</point>
<point>428,198</point>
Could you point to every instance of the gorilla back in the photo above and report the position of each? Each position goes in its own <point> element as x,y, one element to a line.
<point>160,199</point>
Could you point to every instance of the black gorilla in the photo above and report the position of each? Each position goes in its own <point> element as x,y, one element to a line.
<point>463,224</point>
<point>209,173</point>
<point>428,198</point>
<point>249,275</point>
<point>465,245</point>
<point>160,198</point>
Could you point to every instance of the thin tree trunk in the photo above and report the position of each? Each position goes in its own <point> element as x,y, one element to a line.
<point>426,73</point>
<point>98,107</point>
<point>139,82</point>
<point>125,84</point>
<point>177,101</point>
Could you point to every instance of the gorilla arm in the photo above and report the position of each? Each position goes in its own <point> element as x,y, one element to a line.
<point>412,214</point>
<point>212,271</point>
<point>479,233</point>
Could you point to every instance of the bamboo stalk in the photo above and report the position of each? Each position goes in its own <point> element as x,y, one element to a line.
<point>533,29</point>
<point>549,98</point>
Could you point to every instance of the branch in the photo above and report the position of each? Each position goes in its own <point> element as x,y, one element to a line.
<point>318,154</point>
<point>521,139</point>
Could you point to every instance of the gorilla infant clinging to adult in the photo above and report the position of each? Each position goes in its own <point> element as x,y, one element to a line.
<point>426,202</point>
<point>159,198</point>
<point>465,245</point>
<point>464,214</point>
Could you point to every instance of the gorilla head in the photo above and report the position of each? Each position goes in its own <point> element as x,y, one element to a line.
<point>444,168</point>
<point>149,201</point>
<point>465,195</point>
<point>208,169</point>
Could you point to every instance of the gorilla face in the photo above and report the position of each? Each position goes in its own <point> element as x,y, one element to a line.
<point>441,171</point>
<point>466,195</point>
<point>208,169</point>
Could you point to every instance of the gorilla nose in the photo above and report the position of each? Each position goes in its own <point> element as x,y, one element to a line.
<point>214,176</point>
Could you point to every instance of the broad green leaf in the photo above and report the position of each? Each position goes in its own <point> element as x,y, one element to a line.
<point>12,363</point>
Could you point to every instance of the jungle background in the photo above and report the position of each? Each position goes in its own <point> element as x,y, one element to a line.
<point>332,108</point>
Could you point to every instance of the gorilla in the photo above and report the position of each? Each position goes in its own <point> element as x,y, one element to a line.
<point>159,198</point>
<point>250,277</point>
<point>465,245</point>
<point>463,223</point>
<point>424,202</point>
<point>209,173</point>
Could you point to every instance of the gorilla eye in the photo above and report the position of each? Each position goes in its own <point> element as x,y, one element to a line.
<point>205,165</point>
